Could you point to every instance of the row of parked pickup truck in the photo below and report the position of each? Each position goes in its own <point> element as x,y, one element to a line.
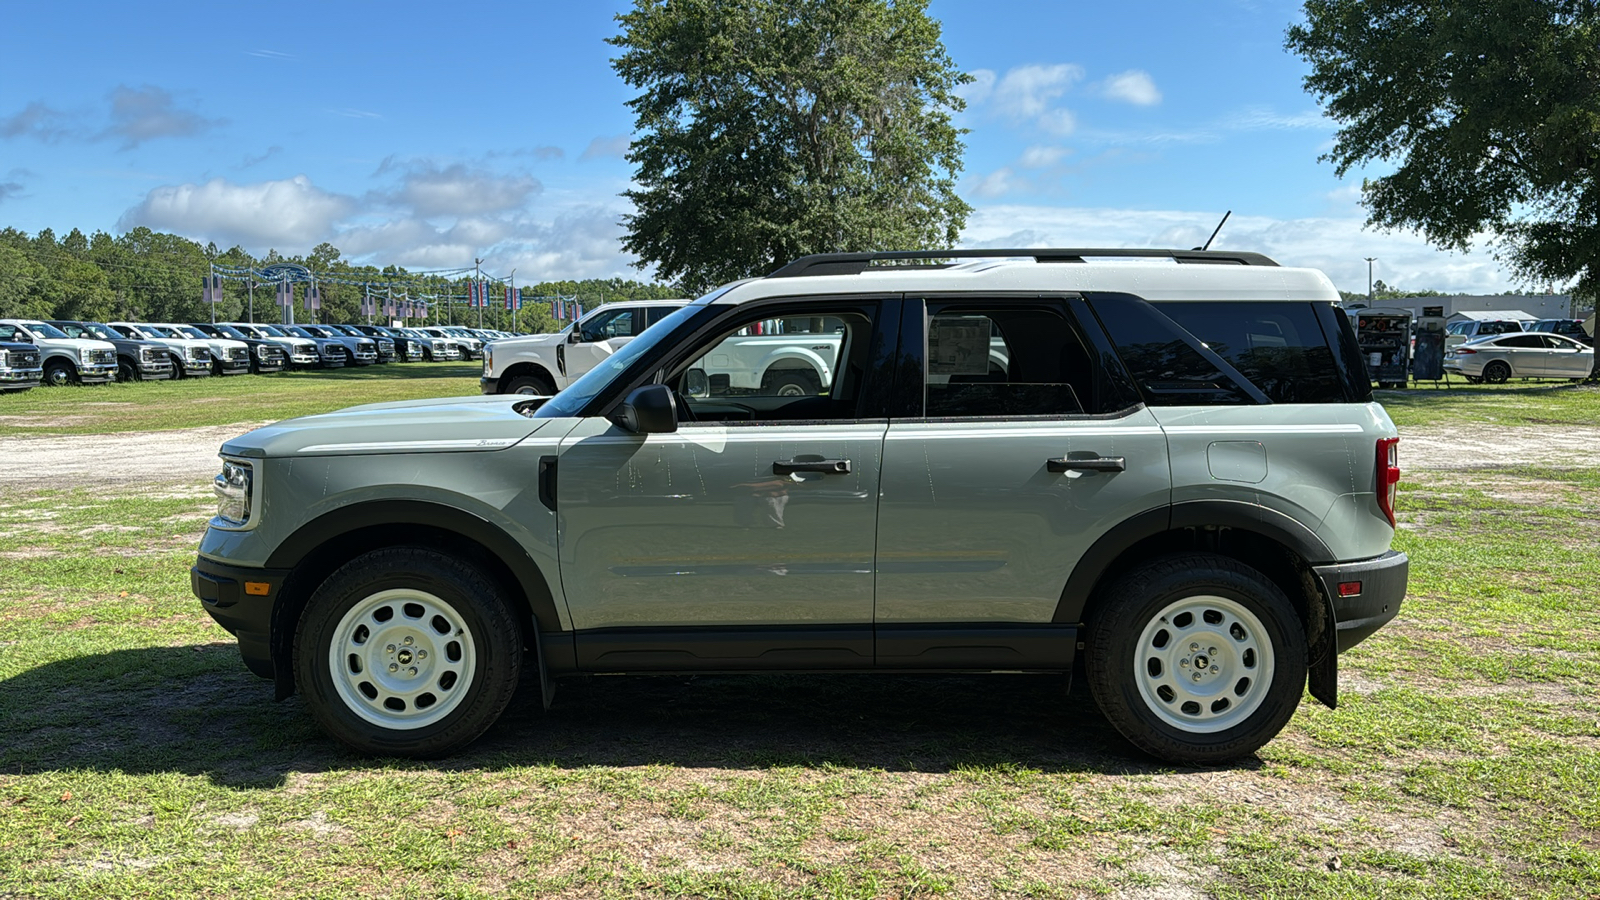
<point>62,351</point>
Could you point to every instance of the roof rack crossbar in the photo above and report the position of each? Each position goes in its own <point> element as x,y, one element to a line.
<point>856,263</point>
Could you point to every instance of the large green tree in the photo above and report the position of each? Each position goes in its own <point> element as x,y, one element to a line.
<point>1487,110</point>
<point>769,129</point>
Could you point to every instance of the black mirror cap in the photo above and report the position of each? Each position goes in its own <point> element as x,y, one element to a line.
<point>650,409</point>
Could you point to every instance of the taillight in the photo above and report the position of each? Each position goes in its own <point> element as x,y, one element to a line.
<point>1465,350</point>
<point>1388,475</point>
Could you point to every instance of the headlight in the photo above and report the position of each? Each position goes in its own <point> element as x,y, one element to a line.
<point>5,360</point>
<point>233,492</point>
<point>261,352</point>
<point>488,358</point>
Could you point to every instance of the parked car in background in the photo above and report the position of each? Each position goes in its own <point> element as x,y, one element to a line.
<point>191,358</point>
<point>19,367</point>
<point>1571,328</point>
<point>302,352</point>
<point>467,346</point>
<point>1459,332</point>
<point>65,360</point>
<point>406,348</point>
<point>265,356</point>
<point>137,360</point>
<point>435,348</point>
<point>358,351</point>
<point>543,364</point>
<point>228,356</point>
<point>1497,358</point>
<point>384,343</point>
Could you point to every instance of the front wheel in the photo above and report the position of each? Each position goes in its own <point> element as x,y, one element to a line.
<point>127,371</point>
<point>1196,658</point>
<point>58,373</point>
<point>407,652</point>
<point>531,385</point>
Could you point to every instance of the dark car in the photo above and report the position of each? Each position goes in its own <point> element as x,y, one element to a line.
<point>136,360</point>
<point>19,367</point>
<point>406,347</point>
<point>386,349</point>
<point>357,351</point>
<point>265,355</point>
<point>1571,328</point>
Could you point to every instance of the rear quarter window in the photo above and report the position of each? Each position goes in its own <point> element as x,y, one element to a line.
<point>1279,347</point>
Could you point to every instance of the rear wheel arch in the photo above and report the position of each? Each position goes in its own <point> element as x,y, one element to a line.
<point>321,546</point>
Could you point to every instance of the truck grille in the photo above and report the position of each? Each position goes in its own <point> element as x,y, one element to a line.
<point>24,359</point>
<point>148,355</point>
<point>239,354</point>
<point>199,354</point>
<point>102,357</point>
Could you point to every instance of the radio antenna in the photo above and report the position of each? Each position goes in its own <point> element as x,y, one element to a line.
<point>1218,231</point>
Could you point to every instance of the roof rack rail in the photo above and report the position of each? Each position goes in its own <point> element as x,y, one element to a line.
<point>856,263</point>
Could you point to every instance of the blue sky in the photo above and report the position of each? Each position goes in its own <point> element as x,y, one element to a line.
<point>423,135</point>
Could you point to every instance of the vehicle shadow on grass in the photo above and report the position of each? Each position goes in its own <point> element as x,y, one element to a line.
<point>394,371</point>
<point>194,710</point>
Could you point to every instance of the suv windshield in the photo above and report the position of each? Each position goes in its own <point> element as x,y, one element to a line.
<point>580,392</point>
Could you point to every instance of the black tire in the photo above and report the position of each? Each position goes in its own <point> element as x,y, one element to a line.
<point>58,373</point>
<point>126,370</point>
<point>1474,379</point>
<point>178,374</point>
<point>1496,372</point>
<point>791,383</point>
<point>483,623</point>
<point>1134,603</point>
<point>532,385</point>
<point>427,355</point>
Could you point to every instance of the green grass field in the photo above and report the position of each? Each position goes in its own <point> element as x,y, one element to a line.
<point>139,759</point>
<point>161,405</point>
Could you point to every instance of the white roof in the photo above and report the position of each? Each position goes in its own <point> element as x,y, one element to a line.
<point>1495,315</point>
<point>1154,281</point>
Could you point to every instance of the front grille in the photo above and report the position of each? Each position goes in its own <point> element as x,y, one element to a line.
<point>147,355</point>
<point>24,359</point>
<point>199,354</point>
<point>239,354</point>
<point>102,357</point>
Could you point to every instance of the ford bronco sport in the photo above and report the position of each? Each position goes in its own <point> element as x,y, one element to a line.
<point>1163,467</point>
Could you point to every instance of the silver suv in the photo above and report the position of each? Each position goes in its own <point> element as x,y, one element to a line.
<point>1163,469</point>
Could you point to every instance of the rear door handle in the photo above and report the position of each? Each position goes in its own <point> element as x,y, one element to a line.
<point>828,466</point>
<point>1098,464</point>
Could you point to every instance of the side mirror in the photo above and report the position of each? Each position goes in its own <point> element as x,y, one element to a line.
<point>650,409</point>
<point>574,336</point>
<point>696,384</point>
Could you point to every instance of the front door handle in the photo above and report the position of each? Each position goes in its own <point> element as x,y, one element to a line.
<point>1097,464</point>
<point>827,466</point>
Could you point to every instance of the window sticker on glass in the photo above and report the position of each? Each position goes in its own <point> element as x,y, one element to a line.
<point>958,345</point>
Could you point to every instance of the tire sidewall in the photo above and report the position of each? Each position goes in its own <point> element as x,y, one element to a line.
<point>475,599</point>
<point>1136,600</point>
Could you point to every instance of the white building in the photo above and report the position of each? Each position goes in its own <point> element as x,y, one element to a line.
<point>1541,306</point>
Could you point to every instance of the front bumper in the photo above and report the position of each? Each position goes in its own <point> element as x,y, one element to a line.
<point>240,599</point>
<point>332,360</point>
<point>20,379</point>
<point>232,366</point>
<point>96,374</point>
<point>271,364</point>
<point>197,368</point>
<point>1381,585</point>
<point>366,357</point>
<point>154,371</point>
<point>489,385</point>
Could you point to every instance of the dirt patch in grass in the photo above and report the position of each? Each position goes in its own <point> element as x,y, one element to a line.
<point>1487,446</point>
<point>31,464</point>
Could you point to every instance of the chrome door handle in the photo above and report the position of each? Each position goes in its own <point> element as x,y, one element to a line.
<point>828,466</point>
<point>1098,464</point>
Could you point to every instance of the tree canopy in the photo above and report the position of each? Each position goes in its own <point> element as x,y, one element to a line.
<point>1488,109</point>
<point>770,129</point>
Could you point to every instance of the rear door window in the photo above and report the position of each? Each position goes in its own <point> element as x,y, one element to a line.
<point>1006,360</point>
<point>1279,347</point>
<point>1170,366</point>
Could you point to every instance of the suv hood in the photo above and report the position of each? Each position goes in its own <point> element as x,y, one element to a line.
<point>450,425</point>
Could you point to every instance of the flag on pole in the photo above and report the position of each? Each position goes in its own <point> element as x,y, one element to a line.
<point>313,298</point>
<point>285,294</point>
<point>211,289</point>
<point>388,307</point>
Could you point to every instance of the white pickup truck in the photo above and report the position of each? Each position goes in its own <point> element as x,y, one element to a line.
<point>790,363</point>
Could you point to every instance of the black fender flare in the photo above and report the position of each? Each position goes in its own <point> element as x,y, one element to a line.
<point>330,526</point>
<point>1236,514</point>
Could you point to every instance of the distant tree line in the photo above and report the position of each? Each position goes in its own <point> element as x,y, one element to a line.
<point>150,276</point>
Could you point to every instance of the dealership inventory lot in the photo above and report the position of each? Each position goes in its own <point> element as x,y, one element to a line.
<point>139,758</point>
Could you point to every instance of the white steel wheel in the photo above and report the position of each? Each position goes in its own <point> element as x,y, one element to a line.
<point>402,659</point>
<point>1203,664</point>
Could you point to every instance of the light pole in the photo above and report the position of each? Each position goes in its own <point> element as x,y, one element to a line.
<point>1370,260</point>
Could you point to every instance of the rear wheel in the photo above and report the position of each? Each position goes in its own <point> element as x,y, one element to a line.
<point>1196,658</point>
<point>407,652</point>
<point>1496,372</point>
<point>791,383</point>
<point>532,385</point>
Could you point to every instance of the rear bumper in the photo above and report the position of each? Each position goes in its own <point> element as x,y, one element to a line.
<point>1381,585</point>
<point>223,593</point>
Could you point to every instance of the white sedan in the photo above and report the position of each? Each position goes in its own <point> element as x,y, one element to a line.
<point>1520,355</point>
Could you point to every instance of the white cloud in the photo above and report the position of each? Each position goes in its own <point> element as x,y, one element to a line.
<point>459,190</point>
<point>602,147</point>
<point>995,184</point>
<point>979,88</point>
<point>1027,91</point>
<point>292,213</point>
<point>1133,86</point>
<point>1059,122</point>
<point>1264,118</point>
<point>1336,245</point>
<point>1038,157</point>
